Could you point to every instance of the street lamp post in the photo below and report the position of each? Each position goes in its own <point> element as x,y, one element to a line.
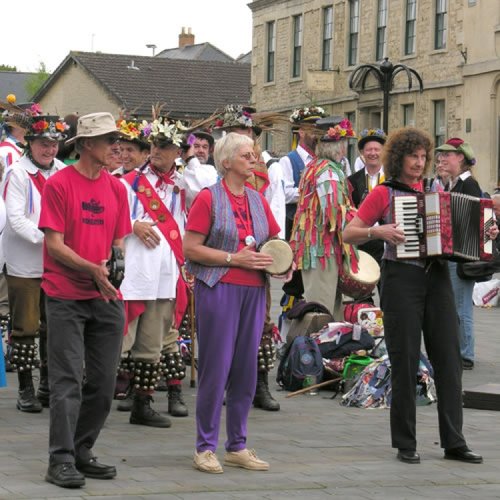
<point>384,73</point>
<point>151,46</point>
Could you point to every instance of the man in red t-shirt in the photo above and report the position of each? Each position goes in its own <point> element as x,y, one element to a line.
<point>84,213</point>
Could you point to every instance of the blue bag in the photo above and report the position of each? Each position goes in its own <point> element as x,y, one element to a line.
<point>301,359</point>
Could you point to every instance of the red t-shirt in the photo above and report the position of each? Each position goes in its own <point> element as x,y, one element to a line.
<point>376,204</point>
<point>91,213</point>
<point>199,221</point>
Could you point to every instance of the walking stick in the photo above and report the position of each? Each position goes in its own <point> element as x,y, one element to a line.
<point>315,386</point>
<point>193,339</point>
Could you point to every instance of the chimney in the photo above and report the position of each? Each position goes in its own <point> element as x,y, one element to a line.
<point>186,38</point>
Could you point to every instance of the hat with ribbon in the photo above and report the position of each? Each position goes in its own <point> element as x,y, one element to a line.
<point>95,125</point>
<point>309,114</point>
<point>371,134</point>
<point>457,145</point>
<point>342,130</point>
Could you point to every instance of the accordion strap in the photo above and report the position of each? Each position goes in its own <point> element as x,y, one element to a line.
<point>395,184</point>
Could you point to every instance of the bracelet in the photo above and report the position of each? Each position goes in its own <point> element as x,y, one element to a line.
<point>189,158</point>
<point>369,233</point>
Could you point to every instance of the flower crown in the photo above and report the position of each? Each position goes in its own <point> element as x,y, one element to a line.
<point>302,114</point>
<point>341,131</point>
<point>173,132</point>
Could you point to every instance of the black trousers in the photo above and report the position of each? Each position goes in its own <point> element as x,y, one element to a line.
<point>82,333</point>
<point>415,300</point>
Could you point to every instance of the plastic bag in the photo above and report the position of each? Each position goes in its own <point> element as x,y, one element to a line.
<point>485,294</point>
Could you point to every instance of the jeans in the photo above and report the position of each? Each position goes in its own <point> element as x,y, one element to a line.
<point>462,290</point>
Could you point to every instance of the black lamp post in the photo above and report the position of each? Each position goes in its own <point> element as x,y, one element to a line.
<point>384,73</point>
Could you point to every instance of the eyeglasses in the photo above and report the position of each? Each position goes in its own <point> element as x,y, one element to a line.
<point>249,156</point>
<point>111,139</point>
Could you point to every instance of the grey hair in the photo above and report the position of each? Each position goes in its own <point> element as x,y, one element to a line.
<point>226,149</point>
<point>330,150</point>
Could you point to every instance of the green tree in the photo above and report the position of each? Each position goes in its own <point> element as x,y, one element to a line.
<point>6,67</point>
<point>35,81</point>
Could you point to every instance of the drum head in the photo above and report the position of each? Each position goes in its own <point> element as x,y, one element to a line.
<point>282,255</point>
<point>368,269</point>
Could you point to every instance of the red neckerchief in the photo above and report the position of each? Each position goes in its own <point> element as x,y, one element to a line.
<point>309,152</point>
<point>38,180</point>
<point>163,177</point>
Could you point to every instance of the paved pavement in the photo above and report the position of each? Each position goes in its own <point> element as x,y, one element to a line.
<point>317,449</point>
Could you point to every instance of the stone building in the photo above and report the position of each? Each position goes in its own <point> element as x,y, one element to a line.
<point>304,51</point>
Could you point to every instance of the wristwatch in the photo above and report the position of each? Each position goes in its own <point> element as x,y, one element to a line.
<point>229,258</point>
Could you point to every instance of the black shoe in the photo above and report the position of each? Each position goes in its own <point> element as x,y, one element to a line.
<point>176,405</point>
<point>143,414</point>
<point>26,399</point>
<point>463,454</point>
<point>263,398</point>
<point>467,364</point>
<point>127,403</point>
<point>408,456</point>
<point>64,475</point>
<point>95,469</point>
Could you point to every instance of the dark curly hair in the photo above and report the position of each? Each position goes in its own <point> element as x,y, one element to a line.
<point>405,141</point>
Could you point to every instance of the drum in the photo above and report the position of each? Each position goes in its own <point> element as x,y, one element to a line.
<point>362,283</point>
<point>282,255</point>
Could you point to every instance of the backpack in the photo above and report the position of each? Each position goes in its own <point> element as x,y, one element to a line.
<point>301,359</point>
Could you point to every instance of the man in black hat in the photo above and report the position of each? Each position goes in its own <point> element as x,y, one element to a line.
<point>203,146</point>
<point>370,146</point>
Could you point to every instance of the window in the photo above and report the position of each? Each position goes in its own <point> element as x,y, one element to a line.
<point>439,123</point>
<point>268,142</point>
<point>381,29</point>
<point>411,21</point>
<point>441,25</point>
<point>408,115</point>
<point>327,62</point>
<point>271,49</point>
<point>353,32</point>
<point>297,46</point>
<point>352,148</point>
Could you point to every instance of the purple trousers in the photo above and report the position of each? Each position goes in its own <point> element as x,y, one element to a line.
<point>229,321</point>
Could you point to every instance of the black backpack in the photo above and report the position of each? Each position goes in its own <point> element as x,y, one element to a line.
<point>301,359</point>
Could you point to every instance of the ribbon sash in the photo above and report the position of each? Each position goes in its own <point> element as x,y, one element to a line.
<point>157,210</point>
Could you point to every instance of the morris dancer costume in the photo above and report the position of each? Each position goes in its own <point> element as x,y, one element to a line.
<point>239,119</point>
<point>322,212</point>
<point>152,283</point>
<point>23,249</point>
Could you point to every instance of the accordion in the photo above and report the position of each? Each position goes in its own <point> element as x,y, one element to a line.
<point>447,225</point>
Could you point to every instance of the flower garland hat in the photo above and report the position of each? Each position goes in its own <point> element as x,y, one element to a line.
<point>45,126</point>
<point>457,145</point>
<point>371,134</point>
<point>133,131</point>
<point>343,130</point>
<point>162,131</point>
<point>310,114</point>
<point>236,116</point>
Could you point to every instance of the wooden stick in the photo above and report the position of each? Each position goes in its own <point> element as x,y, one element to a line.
<point>193,339</point>
<point>315,386</point>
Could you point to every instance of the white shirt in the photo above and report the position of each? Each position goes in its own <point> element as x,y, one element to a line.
<point>195,177</point>
<point>275,195</point>
<point>292,192</point>
<point>359,164</point>
<point>22,240</point>
<point>7,152</point>
<point>152,274</point>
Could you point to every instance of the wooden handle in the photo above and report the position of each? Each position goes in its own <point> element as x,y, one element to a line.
<point>315,386</point>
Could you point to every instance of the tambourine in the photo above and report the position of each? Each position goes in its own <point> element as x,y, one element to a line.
<point>116,267</point>
<point>282,255</point>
